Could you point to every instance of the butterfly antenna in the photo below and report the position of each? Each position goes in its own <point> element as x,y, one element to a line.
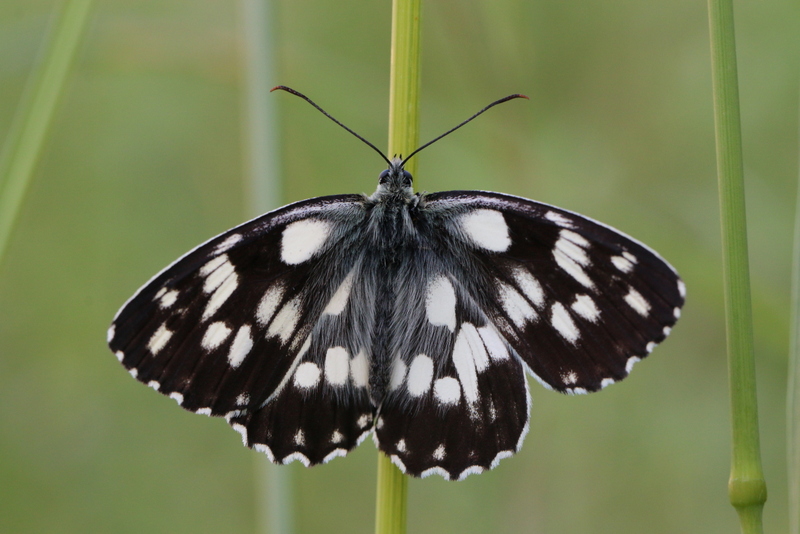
<point>304,97</point>
<point>451,130</point>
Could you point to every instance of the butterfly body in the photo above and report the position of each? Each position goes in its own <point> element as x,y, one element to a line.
<point>413,317</point>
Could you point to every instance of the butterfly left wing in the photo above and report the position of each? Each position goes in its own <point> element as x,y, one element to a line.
<point>238,327</point>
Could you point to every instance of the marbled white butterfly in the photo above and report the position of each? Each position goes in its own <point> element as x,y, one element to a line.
<point>413,317</point>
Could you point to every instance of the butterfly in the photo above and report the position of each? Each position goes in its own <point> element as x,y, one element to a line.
<point>412,317</point>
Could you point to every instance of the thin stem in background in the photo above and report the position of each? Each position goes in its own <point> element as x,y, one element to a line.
<point>793,384</point>
<point>35,113</point>
<point>263,193</point>
<point>746,488</point>
<point>390,506</point>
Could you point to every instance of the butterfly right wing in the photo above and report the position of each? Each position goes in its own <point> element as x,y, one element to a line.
<point>242,321</point>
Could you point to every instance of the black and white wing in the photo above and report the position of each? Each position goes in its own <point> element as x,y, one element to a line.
<point>580,302</point>
<point>512,285</point>
<point>244,325</point>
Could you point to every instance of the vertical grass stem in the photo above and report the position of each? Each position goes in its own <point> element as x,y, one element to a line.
<point>390,513</point>
<point>746,487</point>
<point>263,193</point>
<point>34,115</point>
<point>793,385</point>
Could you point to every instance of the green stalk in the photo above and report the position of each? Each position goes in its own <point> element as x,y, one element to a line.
<point>747,489</point>
<point>390,513</point>
<point>35,113</point>
<point>263,193</point>
<point>793,386</point>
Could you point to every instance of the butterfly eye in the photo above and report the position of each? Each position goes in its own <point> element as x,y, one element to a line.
<point>407,179</point>
<point>384,177</point>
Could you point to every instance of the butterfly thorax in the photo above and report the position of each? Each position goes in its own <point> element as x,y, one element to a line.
<point>394,184</point>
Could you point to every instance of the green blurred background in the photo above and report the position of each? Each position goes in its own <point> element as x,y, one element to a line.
<point>145,160</point>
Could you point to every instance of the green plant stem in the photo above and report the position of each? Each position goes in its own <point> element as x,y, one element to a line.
<point>35,113</point>
<point>793,385</point>
<point>263,193</point>
<point>746,488</point>
<point>390,506</point>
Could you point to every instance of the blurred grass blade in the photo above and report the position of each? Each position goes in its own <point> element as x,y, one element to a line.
<point>746,487</point>
<point>404,82</point>
<point>263,193</point>
<point>35,113</point>
<point>793,385</point>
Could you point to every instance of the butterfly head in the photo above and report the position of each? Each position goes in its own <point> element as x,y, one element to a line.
<point>394,181</point>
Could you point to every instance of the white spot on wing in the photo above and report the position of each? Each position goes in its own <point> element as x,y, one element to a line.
<point>241,346</point>
<point>168,299</point>
<point>515,305</point>
<point>479,355</point>
<point>569,378</point>
<point>110,333</point>
<point>339,299</point>
<point>493,342</point>
<point>650,347</point>
<point>364,420</point>
<point>302,239</point>
<point>606,382</point>
<point>440,302</point>
<point>439,453</point>
<point>120,355</point>
<point>487,229</point>
<point>337,437</point>
<point>242,399</point>
<point>420,374</point>
<point>571,245</point>
<point>228,243</point>
<point>337,366</point>
<point>561,321</point>
<point>398,373</point>
<point>586,308</point>
<point>621,263</point>
<point>465,367</point>
<point>677,313</point>
<point>359,369</point>
<point>401,446</point>
<point>299,438</point>
<point>222,293</point>
<point>559,219</point>
<point>630,363</point>
<point>269,303</point>
<point>530,286</point>
<point>177,396</point>
<point>630,257</point>
<point>205,270</point>
<point>682,288</point>
<point>571,257</point>
<point>636,301</point>
<point>224,269</point>
<point>285,322</point>
<point>154,384</point>
<point>215,335</point>
<point>307,375</point>
<point>447,390</point>
<point>159,339</point>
